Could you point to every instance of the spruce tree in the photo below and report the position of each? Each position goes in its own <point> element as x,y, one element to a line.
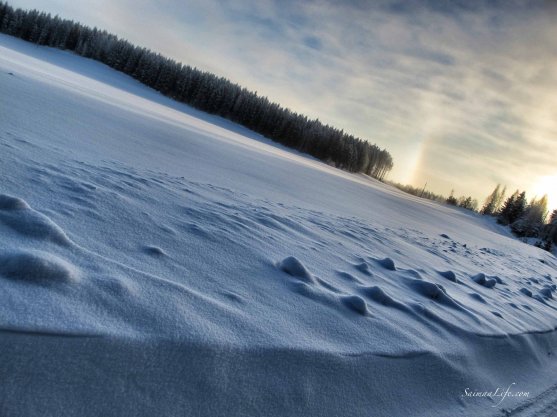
<point>504,216</point>
<point>451,200</point>
<point>518,208</point>
<point>553,227</point>
<point>492,201</point>
<point>531,223</point>
<point>468,203</point>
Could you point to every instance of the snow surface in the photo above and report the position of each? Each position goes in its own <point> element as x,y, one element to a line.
<point>155,260</point>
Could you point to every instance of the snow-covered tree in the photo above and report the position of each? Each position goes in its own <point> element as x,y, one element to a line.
<point>532,221</point>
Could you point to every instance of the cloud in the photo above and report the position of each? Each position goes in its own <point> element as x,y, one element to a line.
<point>460,92</point>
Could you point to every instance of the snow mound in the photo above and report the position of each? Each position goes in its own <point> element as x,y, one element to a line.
<point>295,268</point>
<point>387,263</point>
<point>363,268</point>
<point>526,292</point>
<point>434,292</point>
<point>484,281</point>
<point>17,215</point>
<point>450,275</point>
<point>546,292</point>
<point>355,303</point>
<point>477,297</point>
<point>154,251</point>
<point>9,203</point>
<point>498,280</point>
<point>36,267</point>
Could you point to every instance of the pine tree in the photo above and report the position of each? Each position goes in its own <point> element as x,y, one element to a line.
<point>531,223</point>
<point>451,200</point>
<point>491,203</point>
<point>468,203</point>
<point>518,208</point>
<point>504,216</point>
<point>553,227</point>
<point>548,235</point>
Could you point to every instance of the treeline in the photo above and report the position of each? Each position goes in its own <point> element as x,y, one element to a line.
<point>466,202</point>
<point>199,89</point>
<point>528,219</point>
<point>417,191</point>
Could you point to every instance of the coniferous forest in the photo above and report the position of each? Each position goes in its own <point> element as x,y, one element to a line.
<point>201,90</point>
<point>526,219</point>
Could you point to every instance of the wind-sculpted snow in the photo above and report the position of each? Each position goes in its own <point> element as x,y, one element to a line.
<point>17,215</point>
<point>364,268</point>
<point>156,263</point>
<point>484,281</point>
<point>355,303</point>
<point>450,275</point>
<point>387,263</point>
<point>8,203</point>
<point>294,267</point>
<point>36,267</point>
<point>377,295</point>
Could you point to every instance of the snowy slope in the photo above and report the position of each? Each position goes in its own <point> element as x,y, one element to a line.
<point>155,260</point>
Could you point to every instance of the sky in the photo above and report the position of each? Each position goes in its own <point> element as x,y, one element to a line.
<point>462,93</point>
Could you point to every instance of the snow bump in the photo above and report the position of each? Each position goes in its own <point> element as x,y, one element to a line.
<point>484,281</point>
<point>477,297</point>
<point>17,215</point>
<point>154,251</point>
<point>546,293</point>
<point>295,268</point>
<point>355,303</point>
<point>387,263</point>
<point>434,292</point>
<point>36,267</point>
<point>450,275</point>
<point>526,291</point>
<point>364,268</point>
<point>9,203</point>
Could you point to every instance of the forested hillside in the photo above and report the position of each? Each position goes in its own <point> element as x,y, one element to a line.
<point>199,89</point>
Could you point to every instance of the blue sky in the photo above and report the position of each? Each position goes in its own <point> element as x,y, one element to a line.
<point>462,93</point>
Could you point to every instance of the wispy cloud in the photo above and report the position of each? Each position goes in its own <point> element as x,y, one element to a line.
<point>461,92</point>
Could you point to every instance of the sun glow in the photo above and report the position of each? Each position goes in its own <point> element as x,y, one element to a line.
<point>547,185</point>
